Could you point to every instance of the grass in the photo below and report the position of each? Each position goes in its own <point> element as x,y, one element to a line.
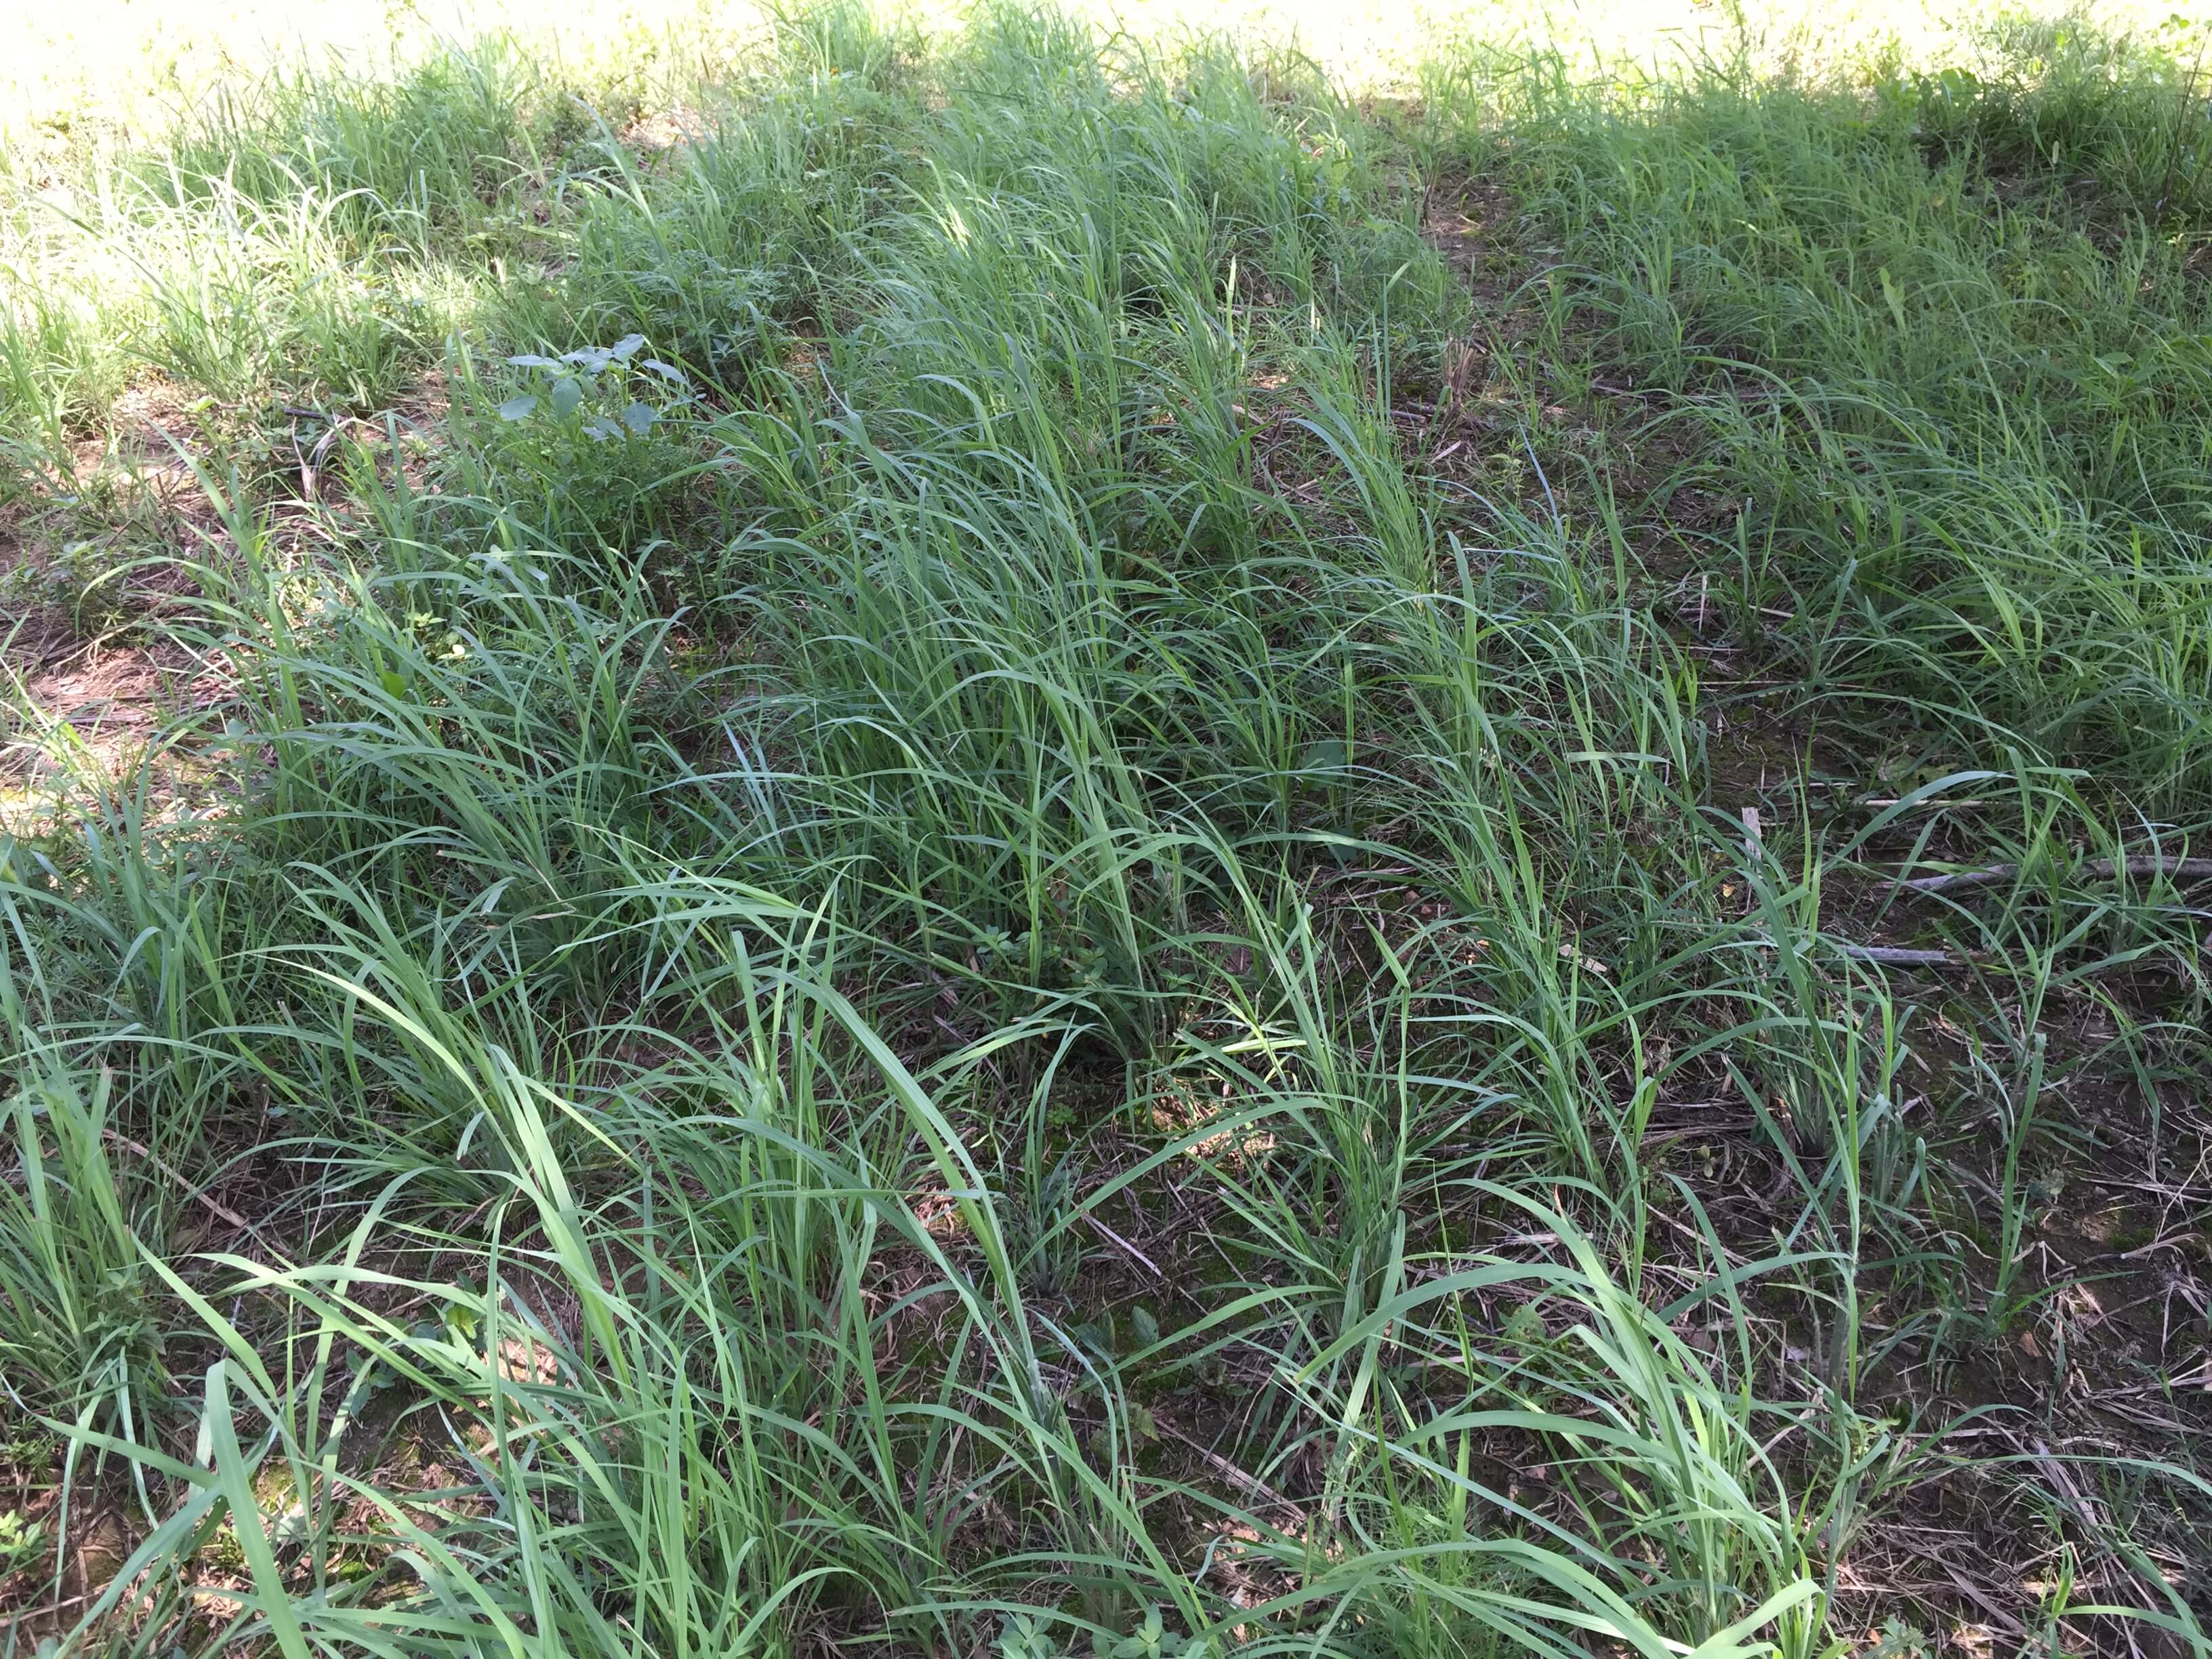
<point>979,837</point>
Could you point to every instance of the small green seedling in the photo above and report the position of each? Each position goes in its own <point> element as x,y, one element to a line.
<point>594,377</point>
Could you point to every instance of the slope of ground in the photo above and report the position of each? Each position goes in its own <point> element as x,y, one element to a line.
<point>993,841</point>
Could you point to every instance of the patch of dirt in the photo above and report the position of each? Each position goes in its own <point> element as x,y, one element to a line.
<point>89,569</point>
<point>660,131</point>
<point>1476,227</point>
<point>87,572</point>
<point>33,1607</point>
<point>109,695</point>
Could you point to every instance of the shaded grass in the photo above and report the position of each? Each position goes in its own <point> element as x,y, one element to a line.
<point>1955,403</point>
<point>956,952</point>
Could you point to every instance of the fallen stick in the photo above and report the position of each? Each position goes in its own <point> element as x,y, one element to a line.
<point>222,1212</point>
<point>1898,956</point>
<point>1129,1249</point>
<point>1250,1486</point>
<point>1892,956</point>
<point>2138,868</point>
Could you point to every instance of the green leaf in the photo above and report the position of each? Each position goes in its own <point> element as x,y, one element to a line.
<point>626,348</point>
<point>392,683</point>
<point>638,417</point>
<point>1895,300</point>
<point>1734,1643</point>
<point>1329,755</point>
<point>236,1481</point>
<point>567,391</point>
<point>518,407</point>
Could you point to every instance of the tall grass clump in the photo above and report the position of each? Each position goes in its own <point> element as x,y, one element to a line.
<point>943,868</point>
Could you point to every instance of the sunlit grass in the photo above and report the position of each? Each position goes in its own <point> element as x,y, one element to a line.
<point>117,60</point>
<point>972,835</point>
